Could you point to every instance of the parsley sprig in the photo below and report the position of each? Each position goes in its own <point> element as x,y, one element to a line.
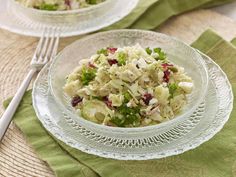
<point>161,55</point>
<point>87,75</point>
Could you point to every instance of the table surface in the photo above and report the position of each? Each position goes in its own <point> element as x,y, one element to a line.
<point>17,158</point>
<point>227,10</point>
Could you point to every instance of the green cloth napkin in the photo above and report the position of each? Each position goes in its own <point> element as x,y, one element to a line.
<point>215,158</point>
<point>151,13</point>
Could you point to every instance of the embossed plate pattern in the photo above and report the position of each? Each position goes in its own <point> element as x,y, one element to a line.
<point>207,120</point>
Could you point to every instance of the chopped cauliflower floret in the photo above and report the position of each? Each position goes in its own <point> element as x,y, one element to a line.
<point>186,86</point>
<point>72,87</point>
<point>162,94</point>
<point>131,73</point>
<point>116,100</point>
<point>167,112</point>
<point>153,101</point>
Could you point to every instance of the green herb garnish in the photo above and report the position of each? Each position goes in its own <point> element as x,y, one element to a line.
<point>127,97</point>
<point>87,75</point>
<point>172,88</point>
<point>130,116</point>
<point>161,54</point>
<point>148,50</point>
<point>173,69</point>
<point>118,121</point>
<point>103,51</point>
<point>122,58</point>
<point>50,7</point>
<point>97,97</point>
<point>91,1</point>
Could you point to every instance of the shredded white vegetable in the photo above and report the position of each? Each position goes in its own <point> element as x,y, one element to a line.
<point>139,87</point>
<point>58,4</point>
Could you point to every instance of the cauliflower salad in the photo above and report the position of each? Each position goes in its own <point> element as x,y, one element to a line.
<point>54,5</point>
<point>128,87</point>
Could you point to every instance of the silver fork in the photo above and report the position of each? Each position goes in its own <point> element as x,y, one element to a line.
<point>45,51</point>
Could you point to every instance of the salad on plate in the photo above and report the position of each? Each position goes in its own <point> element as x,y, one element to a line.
<point>128,87</point>
<point>58,5</point>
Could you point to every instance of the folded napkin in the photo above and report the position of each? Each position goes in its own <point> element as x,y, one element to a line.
<point>151,13</point>
<point>215,158</point>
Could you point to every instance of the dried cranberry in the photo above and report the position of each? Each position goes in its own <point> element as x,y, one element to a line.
<point>111,50</point>
<point>68,3</point>
<point>105,98</point>
<point>91,65</point>
<point>146,98</point>
<point>112,61</point>
<point>107,101</point>
<point>166,65</point>
<point>166,76</point>
<point>76,100</point>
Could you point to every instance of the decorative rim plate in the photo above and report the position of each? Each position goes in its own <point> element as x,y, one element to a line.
<point>217,108</point>
<point>194,66</point>
<point>20,24</point>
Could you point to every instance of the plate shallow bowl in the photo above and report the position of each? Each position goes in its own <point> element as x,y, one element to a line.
<point>177,51</point>
<point>200,127</point>
<point>62,17</point>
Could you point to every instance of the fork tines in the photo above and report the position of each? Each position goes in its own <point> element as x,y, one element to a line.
<point>47,46</point>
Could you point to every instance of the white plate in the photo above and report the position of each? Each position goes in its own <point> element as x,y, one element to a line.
<point>215,112</point>
<point>15,22</point>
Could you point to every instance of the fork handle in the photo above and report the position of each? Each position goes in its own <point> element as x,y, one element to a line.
<point>10,111</point>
